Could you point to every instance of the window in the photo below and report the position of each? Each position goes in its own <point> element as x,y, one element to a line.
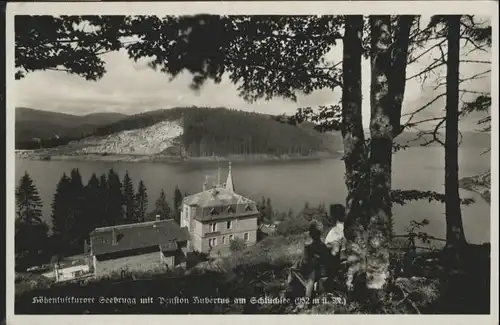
<point>213,211</point>
<point>229,224</point>
<point>248,208</point>
<point>212,242</point>
<point>231,237</point>
<point>245,236</point>
<point>223,239</point>
<point>213,227</point>
<point>230,209</point>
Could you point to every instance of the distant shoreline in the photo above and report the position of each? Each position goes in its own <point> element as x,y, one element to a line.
<point>480,184</point>
<point>171,159</point>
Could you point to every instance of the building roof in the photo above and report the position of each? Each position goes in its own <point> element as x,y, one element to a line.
<point>215,197</point>
<point>220,203</point>
<point>162,233</point>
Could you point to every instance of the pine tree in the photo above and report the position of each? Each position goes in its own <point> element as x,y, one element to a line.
<point>141,202</point>
<point>29,204</point>
<point>269,210</point>
<point>62,216</point>
<point>103,216</point>
<point>77,204</point>
<point>114,199</point>
<point>31,244</point>
<point>128,199</point>
<point>177,204</point>
<point>93,204</point>
<point>161,206</point>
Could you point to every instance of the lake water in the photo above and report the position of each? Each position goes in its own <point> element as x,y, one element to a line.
<point>292,183</point>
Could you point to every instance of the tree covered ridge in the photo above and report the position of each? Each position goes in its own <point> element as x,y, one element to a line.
<point>220,131</point>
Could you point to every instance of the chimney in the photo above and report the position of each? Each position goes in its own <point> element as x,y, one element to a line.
<point>158,217</point>
<point>204,186</point>
<point>218,176</point>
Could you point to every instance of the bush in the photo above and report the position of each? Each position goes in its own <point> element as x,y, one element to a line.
<point>237,245</point>
<point>292,226</point>
<point>194,258</point>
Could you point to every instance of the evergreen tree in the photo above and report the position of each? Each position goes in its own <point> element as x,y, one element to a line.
<point>269,210</point>
<point>129,199</point>
<point>261,206</point>
<point>161,206</point>
<point>93,204</point>
<point>28,202</point>
<point>30,231</point>
<point>103,216</point>
<point>77,203</point>
<point>62,216</point>
<point>141,202</point>
<point>115,199</point>
<point>177,204</point>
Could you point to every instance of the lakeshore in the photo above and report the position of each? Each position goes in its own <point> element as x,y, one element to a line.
<point>159,158</point>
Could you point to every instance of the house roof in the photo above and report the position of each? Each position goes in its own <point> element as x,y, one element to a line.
<point>163,233</point>
<point>215,197</point>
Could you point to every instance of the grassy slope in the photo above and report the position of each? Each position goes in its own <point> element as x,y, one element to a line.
<point>261,270</point>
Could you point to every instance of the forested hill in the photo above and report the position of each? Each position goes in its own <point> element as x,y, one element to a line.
<point>221,132</point>
<point>36,128</point>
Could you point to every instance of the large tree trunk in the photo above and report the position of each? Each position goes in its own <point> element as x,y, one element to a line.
<point>381,132</point>
<point>354,149</point>
<point>397,78</point>
<point>455,236</point>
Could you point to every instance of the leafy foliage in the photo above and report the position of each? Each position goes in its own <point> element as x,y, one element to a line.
<point>66,43</point>
<point>247,49</point>
<point>237,245</point>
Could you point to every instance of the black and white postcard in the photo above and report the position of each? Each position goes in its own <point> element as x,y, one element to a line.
<point>264,158</point>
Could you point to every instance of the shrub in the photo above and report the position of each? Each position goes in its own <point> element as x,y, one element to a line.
<point>237,245</point>
<point>292,226</point>
<point>194,258</point>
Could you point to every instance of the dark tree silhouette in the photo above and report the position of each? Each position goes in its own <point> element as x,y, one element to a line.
<point>63,221</point>
<point>177,204</point>
<point>161,207</point>
<point>115,213</point>
<point>66,43</point>
<point>129,200</point>
<point>78,231</point>
<point>141,202</point>
<point>28,202</point>
<point>30,231</point>
<point>93,205</point>
<point>103,202</point>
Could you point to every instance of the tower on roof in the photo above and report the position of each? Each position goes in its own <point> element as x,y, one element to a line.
<point>229,181</point>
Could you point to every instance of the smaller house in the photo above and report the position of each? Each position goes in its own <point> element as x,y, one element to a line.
<point>154,245</point>
<point>73,272</point>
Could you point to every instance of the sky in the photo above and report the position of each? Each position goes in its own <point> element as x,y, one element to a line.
<point>132,87</point>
